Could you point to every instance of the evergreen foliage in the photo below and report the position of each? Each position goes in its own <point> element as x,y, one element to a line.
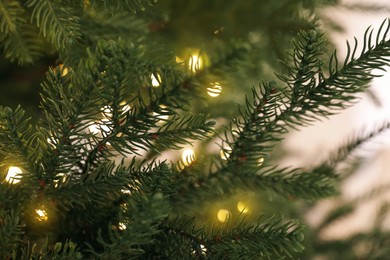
<point>93,183</point>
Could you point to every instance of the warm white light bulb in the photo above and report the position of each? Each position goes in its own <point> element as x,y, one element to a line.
<point>13,175</point>
<point>41,215</point>
<point>202,250</point>
<point>214,90</point>
<point>223,215</point>
<point>261,161</point>
<point>242,207</point>
<point>64,70</point>
<point>179,60</point>
<point>122,226</point>
<point>196,62</point>
<point>156,81</point>
<point>188,156</point>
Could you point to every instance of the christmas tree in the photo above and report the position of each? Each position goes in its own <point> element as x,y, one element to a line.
<point>137,152</point>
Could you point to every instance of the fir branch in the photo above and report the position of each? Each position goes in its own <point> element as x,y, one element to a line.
<point>154,178</point>
<point>374,243</point>
<point>94,189</point>
<point>312,95</point>
<point>56,22</point>
<point>142,216</point>
<point>11,13</point>
<point>289,183</point>
<point>132,6</point>
<point>99,26</point>
<point>18,141</point>
<point>60,250</point>
<point>348,207</point>
<point>266,239</point>
<point>174,133</point>
<point>315,95</point>
<point>338,90</point>
<point>252,139</point>
<point>18,38</point>
<point>355,142</point>
<point>182,237</point>
<point>68,119</point>
<point>11,232</point>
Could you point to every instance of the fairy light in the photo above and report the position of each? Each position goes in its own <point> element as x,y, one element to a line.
<point>179,60</point>
<point>156,80</point>
<point>196,62</point>
<point>214,90</point>
<point>63,69</point>
<point>223,215</point>
<point>242,207</point>
<point>13,175</point>
<point>202,250</point>
<point>41,215</point>
<point>122,226</point>
<point>260,161</point>
<point>188,156</point>
<point>225,153</point>
<point>126,191</point>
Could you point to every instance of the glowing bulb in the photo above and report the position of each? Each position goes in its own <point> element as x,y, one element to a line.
<point>156,81</point>
<point>196,62</point>
<point>188,156</point>
<point>13,175</point>
<point>223,215</point>
<point>241,207</point>
<point>225,153</point>
<point>202,250</point>
<point>122,226</point>
<point>41,215</point>
<point>261,161</point>
<point>214,90</point>
<point>126,191</point>
<point>124,206</point>
<point>63,69</point>
<point>179,60</point>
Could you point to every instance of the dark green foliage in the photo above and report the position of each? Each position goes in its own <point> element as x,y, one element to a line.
<point>92,162</point>
<point>18,37</point>
<point>57,24</point>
